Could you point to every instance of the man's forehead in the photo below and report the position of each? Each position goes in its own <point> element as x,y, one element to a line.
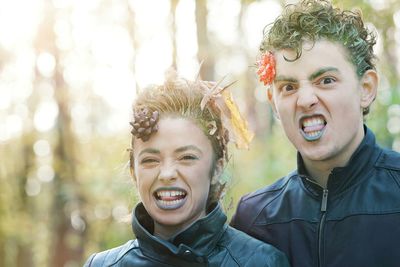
<point>322,56</point>
<point>309,48</point>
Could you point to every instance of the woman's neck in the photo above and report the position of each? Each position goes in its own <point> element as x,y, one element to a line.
<point>165,231</point>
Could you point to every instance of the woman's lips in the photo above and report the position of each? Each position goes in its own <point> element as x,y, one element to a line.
<point>172,198</point>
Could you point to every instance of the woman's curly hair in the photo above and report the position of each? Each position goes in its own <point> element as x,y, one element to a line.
<point>179,97</point>
<point>311,20</point>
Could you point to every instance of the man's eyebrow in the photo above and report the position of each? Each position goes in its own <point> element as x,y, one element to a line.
<point>282,78</point>
<point>149,150</point>
<point>184,148</point>
<point>321,71</point>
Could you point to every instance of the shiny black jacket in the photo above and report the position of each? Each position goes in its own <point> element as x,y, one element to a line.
<point>355,222</point>
<point>207,242</point>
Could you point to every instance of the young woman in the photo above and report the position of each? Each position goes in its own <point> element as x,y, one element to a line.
<point>179,146</point>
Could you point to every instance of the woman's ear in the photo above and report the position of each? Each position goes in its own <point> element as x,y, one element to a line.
<point>219,168</point>
<point>132,172</point>
<point>369,85</point>
<point>131,165</point>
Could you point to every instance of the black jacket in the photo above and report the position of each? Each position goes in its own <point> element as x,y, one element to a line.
<point>355,222</point>
<point>207,242</point>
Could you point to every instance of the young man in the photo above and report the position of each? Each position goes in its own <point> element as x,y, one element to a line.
<point>341,207</point>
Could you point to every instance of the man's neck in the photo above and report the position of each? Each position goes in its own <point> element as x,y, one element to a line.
<point>319,171</point>
<point>319,174</point>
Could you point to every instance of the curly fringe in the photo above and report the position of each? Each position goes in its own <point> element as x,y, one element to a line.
<point>311,20</point>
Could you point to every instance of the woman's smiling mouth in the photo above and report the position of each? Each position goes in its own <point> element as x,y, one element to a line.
<point>170,198</point>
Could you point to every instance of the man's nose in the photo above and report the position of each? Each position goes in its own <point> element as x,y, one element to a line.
<point>307,97</point>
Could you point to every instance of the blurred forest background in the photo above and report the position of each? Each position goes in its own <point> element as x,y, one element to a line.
<point>69,71</point>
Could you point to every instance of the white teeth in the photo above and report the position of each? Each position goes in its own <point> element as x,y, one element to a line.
<point>313,134</point>
<point>312,122</point>
<point>169,193</point>
<point>170,203</point>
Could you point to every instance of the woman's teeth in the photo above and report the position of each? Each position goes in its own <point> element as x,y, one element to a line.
<point>163,194</point>
<point>170,199</point>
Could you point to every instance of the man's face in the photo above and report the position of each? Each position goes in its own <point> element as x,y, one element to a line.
<point>319,100</point>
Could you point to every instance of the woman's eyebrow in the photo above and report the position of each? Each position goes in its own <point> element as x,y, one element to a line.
<point>189,147</point>
<point>149,150</point>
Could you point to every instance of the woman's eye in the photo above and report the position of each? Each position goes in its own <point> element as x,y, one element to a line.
<point>148,160</point>
<point>189,157</point>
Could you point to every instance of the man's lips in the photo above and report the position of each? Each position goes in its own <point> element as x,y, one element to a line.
<point>312,127</point>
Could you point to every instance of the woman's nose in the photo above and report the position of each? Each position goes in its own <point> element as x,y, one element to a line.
<point>168,172</point>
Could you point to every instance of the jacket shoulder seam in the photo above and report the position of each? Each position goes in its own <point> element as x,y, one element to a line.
<point>120,252</point>
<point>236,260</point>
<point>384,158</point>
<point>260,208</point>
<point>267,189</point>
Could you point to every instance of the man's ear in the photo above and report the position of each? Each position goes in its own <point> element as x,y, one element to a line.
<point>271,101</point>
<point>369,86</point>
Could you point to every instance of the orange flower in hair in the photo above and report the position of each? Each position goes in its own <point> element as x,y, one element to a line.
<point>266,68</point>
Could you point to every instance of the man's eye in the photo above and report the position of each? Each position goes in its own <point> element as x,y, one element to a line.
<point>288,88</point>
<point>327,80</point>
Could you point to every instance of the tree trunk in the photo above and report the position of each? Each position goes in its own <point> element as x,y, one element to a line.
<point>174,4</point>
<point>205,53</point>
<point>67,241</point>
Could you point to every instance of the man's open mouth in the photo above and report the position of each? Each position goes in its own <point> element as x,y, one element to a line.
<point>312,127</point>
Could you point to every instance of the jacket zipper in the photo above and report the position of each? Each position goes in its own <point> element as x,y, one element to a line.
<point>322,224</point>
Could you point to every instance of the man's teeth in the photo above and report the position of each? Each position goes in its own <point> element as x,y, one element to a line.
<point>313,128</point>
<point>313,134</point>
<point>313,122</point>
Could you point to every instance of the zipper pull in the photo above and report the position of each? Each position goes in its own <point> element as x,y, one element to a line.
<point>324,200</point>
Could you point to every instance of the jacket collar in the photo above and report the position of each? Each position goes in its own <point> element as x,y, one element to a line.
<point>199,239</point>
<point>344,177</point>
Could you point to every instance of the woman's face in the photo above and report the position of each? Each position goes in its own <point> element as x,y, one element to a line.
<point>173,173</point>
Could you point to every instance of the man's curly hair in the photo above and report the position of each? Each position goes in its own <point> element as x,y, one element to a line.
<point>312,20</point>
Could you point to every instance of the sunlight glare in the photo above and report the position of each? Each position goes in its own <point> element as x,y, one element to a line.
<point>222,20</point>
<point>45,173</point>
<point>45,115</point>
<point>32,187</point>
<point>46,64</point>
<point>42,148</point>
<point>258,15</point>
<point>18,22</point>
<point>153,55</point>
<point>186,39</point>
